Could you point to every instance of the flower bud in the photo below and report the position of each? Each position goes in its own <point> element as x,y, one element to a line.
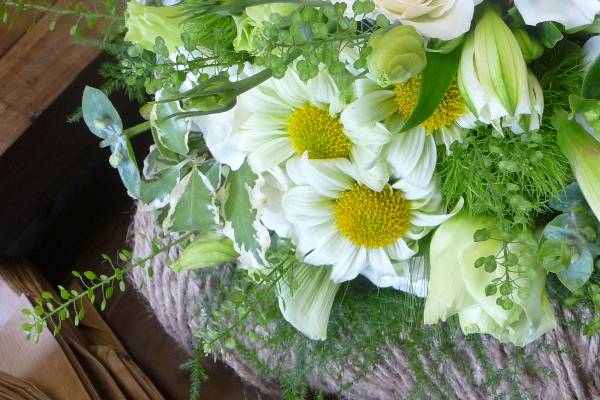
<point>531,48</point>
<point>398,54</point>
<point>146,23</point>
<point>493,77</point>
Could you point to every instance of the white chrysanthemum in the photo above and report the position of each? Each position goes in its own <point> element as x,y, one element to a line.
<point>396,103</point>
<point>287,117</point>
<point>340,221</point>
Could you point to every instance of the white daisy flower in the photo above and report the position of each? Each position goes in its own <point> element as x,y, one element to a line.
<point>341,221</point>
<point>288,117</point>
<point>396,103</point>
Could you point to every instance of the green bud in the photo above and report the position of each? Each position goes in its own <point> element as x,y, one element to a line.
<point>531,48</point>
<point>147,23</point>
<point>398,54</point>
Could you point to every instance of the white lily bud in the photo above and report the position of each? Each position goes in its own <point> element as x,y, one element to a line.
<point>493,77</point>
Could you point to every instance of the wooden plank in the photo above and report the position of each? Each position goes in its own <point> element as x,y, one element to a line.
<point>34,72</point>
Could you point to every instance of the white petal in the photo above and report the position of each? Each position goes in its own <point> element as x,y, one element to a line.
<point>303,205</point>
<point>428,220</point>
<point>328,250</point>
<point>349,264</point>
<point>270,154</point>
<point>369,109</point>
<point>454,21</point>
<point>404,151</point>
<point>570,13</point>
<point>379,260</point>
<point>399,251</point>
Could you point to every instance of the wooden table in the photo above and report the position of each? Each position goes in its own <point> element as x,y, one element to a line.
<point>36,66</point>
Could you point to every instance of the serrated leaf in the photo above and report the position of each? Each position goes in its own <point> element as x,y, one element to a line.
<point>159,189</point>
<point>241,217</point>
<point>172,133</point>
<point>192,205</point>
<point>99,114</point>
<point>212,170</point>
<point>436,79</point>
<point>208,250</point>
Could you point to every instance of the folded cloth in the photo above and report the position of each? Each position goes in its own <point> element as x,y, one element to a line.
<point>88,362</point>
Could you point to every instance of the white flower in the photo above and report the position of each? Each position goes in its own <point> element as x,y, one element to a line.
<point>306,296</point>
<point>220,135</point>
<point>457,287</point>
<point>396,103</point>
<point>287,117</point>
<point>340,221</point>
<point>570,13</point>
<point>493,78</point>
<point>440,19</point>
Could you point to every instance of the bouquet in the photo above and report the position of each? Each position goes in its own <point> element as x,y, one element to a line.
<point>447,150</point>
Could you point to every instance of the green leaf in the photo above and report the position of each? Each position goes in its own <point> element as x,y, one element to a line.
<point>549,34</point>
<point>568,198</point>
<point>99,114</point>
<point>172,132</point>
<point>579,271</point>
<point>436,79</point>
<point>208,250</point>
<point>160,188</point>
<point>47,295</point>
<point>123,159</point>
<point>250,237</point>
<point>591,81</point>
<point>192,204</point>
<point>90,275</point>
<point>212,170</point>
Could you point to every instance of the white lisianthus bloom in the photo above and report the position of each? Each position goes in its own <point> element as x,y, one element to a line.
<point>457,287</point>
<point>341,221</point>
<point>570,13</point>
<point>395,104</point>
<point>288,117</point>
<point>439,19</point>
<point>219,132</point>
<point>494,80</point>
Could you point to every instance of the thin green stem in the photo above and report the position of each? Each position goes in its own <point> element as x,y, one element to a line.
<point>62,11</point>
<point>110,279</point>
<point>137,129</point>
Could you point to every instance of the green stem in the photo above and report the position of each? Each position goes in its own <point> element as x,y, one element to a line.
<point>110,279</point>
<point>137,129</point>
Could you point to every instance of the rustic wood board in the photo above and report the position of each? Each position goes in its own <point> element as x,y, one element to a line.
<point>36,65</point>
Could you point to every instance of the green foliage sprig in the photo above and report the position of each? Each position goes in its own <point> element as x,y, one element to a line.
<point>364,320</point>
<point>88,17</point>
<point>52,310</point>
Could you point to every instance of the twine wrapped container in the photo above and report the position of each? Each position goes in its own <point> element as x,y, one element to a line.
<point>176,300</point>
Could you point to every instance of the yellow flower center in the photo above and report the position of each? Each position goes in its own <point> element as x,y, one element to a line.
<point>372,219</point>
<point>314,130</point>
<point>446,114</point>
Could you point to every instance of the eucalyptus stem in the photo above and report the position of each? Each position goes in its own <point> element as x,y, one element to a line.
<point>137,129</point>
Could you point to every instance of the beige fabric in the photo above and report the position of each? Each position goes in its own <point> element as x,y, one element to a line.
<point>87,362</point>
<point>175,298</point>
